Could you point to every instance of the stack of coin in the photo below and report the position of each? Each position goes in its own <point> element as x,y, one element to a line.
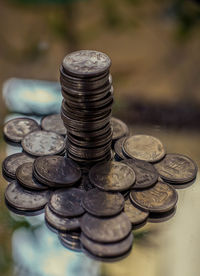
<point>86,107</point>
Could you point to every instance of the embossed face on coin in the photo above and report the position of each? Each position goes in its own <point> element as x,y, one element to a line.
<point>53,123</point>
<point>57,171</point>
<point>12,162</point>
<point>39,143</point>
<point>102,204</point>
<point>15,130</point>
<point>106,230</point>
<point>86,63</point>
<point>146,175</point>
<point>176,168</point>
<point>112,176</point>
<point>120,129</point>
<point>159,198</point>
<point>144,147</point>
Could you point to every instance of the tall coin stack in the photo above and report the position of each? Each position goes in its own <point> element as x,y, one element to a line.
<point>87,105</point>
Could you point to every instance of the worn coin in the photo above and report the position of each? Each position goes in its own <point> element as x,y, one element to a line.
<point>12,162</point>
<point>161,217</point>
<point>120,129</point>
<point>159,198</point>
<point>102,204</point>
<point>112,176</point>
<point>86,63</point>
<point>67,202</point>
<point>146,174</point>
<point>144,147</point>
<point>177,168</point>
<point>61,223</point>
<point>70,241</point>
<point>109,249</point>
<point>23,213</point>
<point>24,175</point>
<point>40,143</point>
<point>26,200</point>
<point>135,215</point>
<point>57,171</point>
<point>118,149</point>
<point>53,123</point>
<point>106,230</point>
<point>15,129</point>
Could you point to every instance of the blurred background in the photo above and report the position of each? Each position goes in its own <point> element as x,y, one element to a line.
<point>155,50</point>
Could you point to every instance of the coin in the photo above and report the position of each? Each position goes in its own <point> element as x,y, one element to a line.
<point>85,183</point>
<point>135,215</point>
<point>24,175</point>
<point>15,129</point>
<point>109,249</point>
<point>67,202</point>
<point>86,63</point>
<point>112,176</point>
<point>40,143</point>
<point>53,123</point>
<point>120,129</point>
<point>177,168</point>
<point>12,162</point>
<point>56,171</point>
<point>26,200</point>
<point>159,198</point>
<point>61,223</point>
<point>146,175</point>
<point>161,217</point>
<point>70,241</point>
<point>106,230</point>
<point>102,204</point>
<point>118,149</point>
<point>144,147</point>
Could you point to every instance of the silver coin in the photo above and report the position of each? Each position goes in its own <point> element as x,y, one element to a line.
<point>53,123</point>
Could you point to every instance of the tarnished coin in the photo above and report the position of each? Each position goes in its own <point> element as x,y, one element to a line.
<point>102,204</point>
<point>61,223</point>
<point>15,129</point>
<point>26,200</point>
<point>118,149</point>
<point>12,162</point>
<point>40,143</point>
<point>70,241</point>
<point>23,213</point>
<point>56,171</point>
<point>161,217</point>
<point>67,202</point>
<point>176,168</point>
<point>159,198</point>
<point>86,63</point>
<point>109,249</point>
<point>85,183</point>
<point>146,174</point>
<point>135,215</point>
<point>53,123</point>
<point>144,147</point>
<point>112,176</point>
<point>106,230</point>
<point>120,129</point>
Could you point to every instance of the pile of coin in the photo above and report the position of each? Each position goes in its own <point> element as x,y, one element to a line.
<point>94,209</point>
<point>86,108</point>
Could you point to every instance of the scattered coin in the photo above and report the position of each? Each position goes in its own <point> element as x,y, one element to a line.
<point>26,200</point>
<point>118,149</point>
<point>102,204</point>
<point>86,63</point>
<point>24,175</point>
<point>157,199</point>
<point>67,202</point>
<point>53,123</point>
<point>108,249</point>
<point>120,129</point>
<point>135,215</point>
<point>146,174</point>
<point>12,162</point>
<point>106,230</point>
<point>176,168</point>
<point>56,171</point>
<point>144,147</point>
<point>15,129</point>
<point>40,143</point>
<point>112,176</point>
<point>61,223</point>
